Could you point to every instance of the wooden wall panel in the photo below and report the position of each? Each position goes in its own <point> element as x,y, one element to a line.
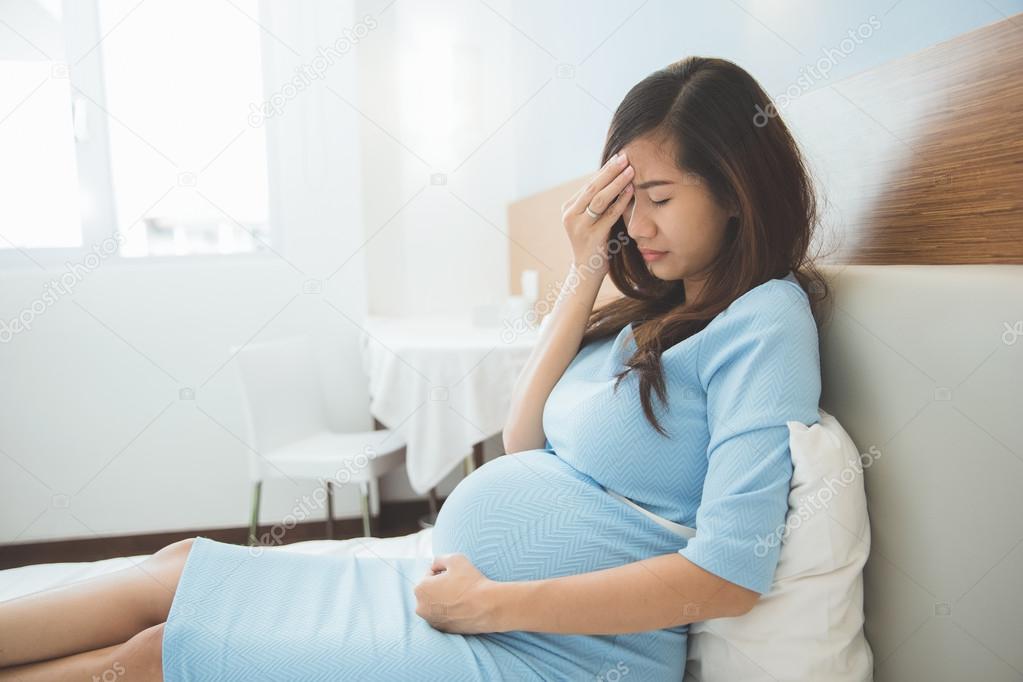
<point>921,159</point>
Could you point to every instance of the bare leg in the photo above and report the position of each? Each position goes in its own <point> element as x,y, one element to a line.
<point>91,614</point>
<point>140,658</point>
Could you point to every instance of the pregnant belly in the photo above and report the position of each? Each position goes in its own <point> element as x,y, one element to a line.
<point>530,515</point>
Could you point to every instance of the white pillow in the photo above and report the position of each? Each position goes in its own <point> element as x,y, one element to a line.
<point>809,625</point>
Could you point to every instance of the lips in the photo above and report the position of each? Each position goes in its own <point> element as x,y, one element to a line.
<point>651,255</point>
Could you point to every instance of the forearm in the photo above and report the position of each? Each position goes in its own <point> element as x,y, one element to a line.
<point>558,343</point>
<point>651,594</point>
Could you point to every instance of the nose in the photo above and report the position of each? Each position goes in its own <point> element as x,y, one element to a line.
<point>637,222</point>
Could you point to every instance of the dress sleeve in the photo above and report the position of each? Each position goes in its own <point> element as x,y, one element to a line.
<point>760,368</point>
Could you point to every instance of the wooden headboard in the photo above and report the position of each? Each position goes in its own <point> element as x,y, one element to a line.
<point>922,158</point>
<point>920,161</point>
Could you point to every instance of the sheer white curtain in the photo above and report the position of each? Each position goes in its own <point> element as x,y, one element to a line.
<point>440,92</point>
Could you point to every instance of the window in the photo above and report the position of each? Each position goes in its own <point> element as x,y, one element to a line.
<point>39,204</point>
<point>132,118</point>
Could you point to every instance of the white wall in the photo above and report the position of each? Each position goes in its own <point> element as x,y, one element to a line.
<point>93,436</point>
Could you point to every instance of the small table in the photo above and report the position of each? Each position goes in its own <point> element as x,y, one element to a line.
<point>445,385</point>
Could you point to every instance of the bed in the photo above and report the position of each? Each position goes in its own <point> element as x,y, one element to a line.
<point>15,582</point>
<point>936,394</point>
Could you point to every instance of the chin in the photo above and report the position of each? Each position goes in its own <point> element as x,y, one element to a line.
<point>663,269</point>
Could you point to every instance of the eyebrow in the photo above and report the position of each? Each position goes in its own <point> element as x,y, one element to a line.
<point>654,183</point>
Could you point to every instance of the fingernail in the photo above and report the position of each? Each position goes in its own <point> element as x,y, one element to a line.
<point>614,159</point>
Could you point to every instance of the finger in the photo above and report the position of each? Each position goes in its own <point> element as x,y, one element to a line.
<point>601,180</point>
<point>607,196</point>
<point>631,211</point>
<point>619,206</point>
<point>440,563</point>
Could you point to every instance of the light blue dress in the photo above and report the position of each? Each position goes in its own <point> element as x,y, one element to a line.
<point>725,471</point>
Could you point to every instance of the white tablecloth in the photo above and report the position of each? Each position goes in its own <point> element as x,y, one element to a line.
<point>443,384</point>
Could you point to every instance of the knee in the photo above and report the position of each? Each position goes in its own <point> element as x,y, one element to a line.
<point>169,561</point>
<point>162,573</point>
<point>176,552</point>
<point>141,657</point>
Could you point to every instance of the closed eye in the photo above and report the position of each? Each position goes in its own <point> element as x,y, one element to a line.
<point>655,203</point>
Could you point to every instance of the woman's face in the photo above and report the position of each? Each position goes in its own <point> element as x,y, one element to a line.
<point>673,213</point>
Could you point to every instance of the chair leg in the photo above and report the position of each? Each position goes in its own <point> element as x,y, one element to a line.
<point>330,510</point>
<point>431,499</point>
<point>364,502</point>
<point>469,464</point>
<point>374,497</point>
<point>254,519</point>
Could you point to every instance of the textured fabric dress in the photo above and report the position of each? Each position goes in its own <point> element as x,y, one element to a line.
<point>724,469</point>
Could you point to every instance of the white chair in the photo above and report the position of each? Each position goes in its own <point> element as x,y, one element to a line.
<point>290,436</point>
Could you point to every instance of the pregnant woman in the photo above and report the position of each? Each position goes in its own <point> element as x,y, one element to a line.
<point>648,456</point>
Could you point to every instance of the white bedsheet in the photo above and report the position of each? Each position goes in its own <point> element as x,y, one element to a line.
<point>15,582</point>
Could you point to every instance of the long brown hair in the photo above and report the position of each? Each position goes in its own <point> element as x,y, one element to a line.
<point>719,124</point>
